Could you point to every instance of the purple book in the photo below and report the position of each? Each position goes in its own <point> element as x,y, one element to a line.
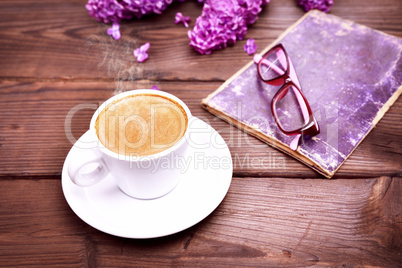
<point>349,73</point>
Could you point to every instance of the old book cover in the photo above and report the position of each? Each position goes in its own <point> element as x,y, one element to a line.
<point>351,75</point>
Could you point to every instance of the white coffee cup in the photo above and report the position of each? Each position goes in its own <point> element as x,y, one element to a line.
<point>140,177</point>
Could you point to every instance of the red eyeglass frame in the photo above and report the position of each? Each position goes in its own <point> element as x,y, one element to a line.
<point>311,126</point>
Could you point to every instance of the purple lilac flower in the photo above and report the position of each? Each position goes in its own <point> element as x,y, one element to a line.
<point>323,5</point>
<point>116,10</point>
<point>141,52</point>
<point>250,47</point>
<point>114,31</point>
<point>108,10</point>
<point>155,87</point>
<point>222,23</point>
<point>145,7</point>
<point>184,19</point>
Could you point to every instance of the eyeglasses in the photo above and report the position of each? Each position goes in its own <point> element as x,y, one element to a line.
<point>289,106</point>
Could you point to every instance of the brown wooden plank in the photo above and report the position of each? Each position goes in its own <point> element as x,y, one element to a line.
<point>34,141</point>
<point>36,228</point>
<point>44,39</point>
<point>261,222</point>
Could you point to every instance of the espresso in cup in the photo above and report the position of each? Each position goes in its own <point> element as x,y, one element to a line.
<point>135,131</point>
<point>141,125</point>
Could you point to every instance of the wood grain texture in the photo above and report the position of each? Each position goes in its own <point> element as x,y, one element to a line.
<point>284,223</point>
<point>42,39</point>
<point>41,121</point>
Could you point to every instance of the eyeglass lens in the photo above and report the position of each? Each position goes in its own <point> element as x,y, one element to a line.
<point>273,65</point>
<point>290,108</point>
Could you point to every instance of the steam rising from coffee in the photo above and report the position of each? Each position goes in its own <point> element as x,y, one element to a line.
<point>115,59</point>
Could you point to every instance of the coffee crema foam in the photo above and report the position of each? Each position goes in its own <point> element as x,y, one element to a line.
<point>141,125</point>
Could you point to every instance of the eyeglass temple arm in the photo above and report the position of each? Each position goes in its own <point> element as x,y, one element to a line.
<point>293,76</point>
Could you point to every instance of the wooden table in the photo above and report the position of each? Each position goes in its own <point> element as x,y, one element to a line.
<point>277,213</point>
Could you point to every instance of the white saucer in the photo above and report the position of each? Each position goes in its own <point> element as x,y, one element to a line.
<point>201,189</point>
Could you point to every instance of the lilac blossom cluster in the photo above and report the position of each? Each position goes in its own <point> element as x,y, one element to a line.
<point>116,10</point>
<point>323,5</point>
<point>222,23</point>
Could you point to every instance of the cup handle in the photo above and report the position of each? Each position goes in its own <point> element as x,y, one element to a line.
<point>90,171</point>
